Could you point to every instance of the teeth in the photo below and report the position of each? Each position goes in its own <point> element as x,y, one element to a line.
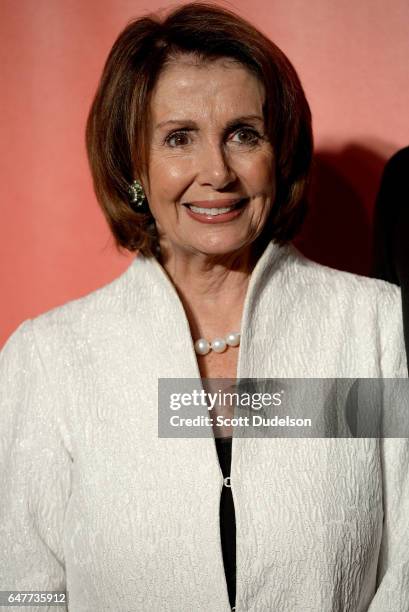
<point>210,211</point>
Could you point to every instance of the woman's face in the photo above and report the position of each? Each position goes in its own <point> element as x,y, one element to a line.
<point>211,180</point>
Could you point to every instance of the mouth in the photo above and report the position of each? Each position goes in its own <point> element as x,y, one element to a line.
<point>215,208</point>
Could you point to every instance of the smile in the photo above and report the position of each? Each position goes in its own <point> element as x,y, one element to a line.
<point>214,211</point>
<point>210,211</point>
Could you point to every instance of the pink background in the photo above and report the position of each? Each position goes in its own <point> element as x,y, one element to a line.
<point>352,58</point>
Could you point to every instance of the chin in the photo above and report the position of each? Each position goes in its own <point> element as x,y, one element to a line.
<point>219,246</point>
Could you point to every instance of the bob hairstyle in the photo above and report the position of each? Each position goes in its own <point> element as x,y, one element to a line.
<point>117,133</point>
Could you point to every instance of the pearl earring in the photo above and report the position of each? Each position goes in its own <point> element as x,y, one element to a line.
<point>136,194</point>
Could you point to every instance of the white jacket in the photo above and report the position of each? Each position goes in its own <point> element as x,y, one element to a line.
<point>92,501</point>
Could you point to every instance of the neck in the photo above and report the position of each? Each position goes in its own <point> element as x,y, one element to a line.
<point>212,288</point>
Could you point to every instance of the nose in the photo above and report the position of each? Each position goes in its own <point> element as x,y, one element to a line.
<point>213,167</point>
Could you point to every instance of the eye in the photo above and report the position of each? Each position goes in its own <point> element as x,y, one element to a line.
<point>247,136</point>
<point>178,139</point>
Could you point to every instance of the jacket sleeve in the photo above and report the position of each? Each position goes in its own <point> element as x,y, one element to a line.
<point>392,592</point>
<point>35,472</point>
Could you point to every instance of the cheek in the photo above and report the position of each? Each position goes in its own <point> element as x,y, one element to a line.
<point>258,172</point>
<point>168,177</point>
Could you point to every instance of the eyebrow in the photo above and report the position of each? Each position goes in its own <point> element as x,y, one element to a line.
<point>191,124</point>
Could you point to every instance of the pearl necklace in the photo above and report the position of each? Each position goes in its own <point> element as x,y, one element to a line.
<point>218,345</point>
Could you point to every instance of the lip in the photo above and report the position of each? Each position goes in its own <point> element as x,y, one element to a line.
<point>214,203</point>
<point>223,217</point>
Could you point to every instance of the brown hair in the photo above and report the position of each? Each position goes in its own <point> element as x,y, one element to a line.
<point>118,122</point>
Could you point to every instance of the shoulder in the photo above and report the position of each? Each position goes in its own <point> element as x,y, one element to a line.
<point>367,310</point>
<point>81,317</point>
<point>331,281</point>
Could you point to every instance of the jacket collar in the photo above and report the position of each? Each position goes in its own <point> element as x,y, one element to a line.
<point>150,292</point>
<point>151,273</point>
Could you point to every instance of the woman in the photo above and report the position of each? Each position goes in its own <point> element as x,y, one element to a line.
<point>200,146</point>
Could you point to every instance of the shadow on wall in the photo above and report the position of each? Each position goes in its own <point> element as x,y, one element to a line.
<point>338,230</point>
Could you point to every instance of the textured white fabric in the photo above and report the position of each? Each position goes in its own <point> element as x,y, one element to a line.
<point>92,500</point>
